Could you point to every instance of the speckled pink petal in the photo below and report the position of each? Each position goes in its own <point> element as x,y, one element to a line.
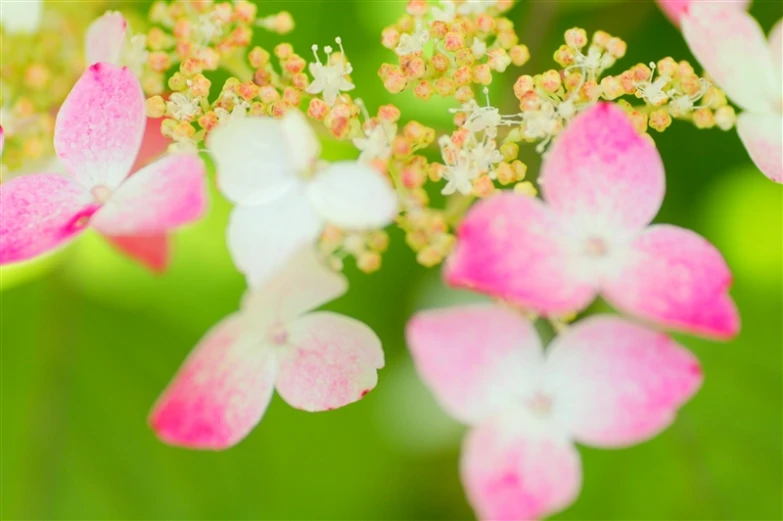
<point>614,383</point>
<point>220,393</point>
<point>167,194</point>
<point>762,136</point>
<point>151,251</point>
<point>731,46</point>
<point>100,126</point>
<point>477,359</point>
<point>675,9</point>
<point>519,469</point>
<point>513,247</point>
<point>676,278</point>
<point>333,361</point>
<point>601,175</point>
<point>40,212</point>
<point>105,38</point>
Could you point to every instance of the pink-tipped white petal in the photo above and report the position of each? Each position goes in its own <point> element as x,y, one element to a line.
<point>333,361</point>
<point>676,278</point>
<point>302,144</point>
<point>762,136</point>
<point>167,194</point>
<point>151,251</point>
<point>676,9</point>
<point>731,46</point>
<point>614,383</point>
<point>40,212</point>
<point>514,248</point>
<point>21,17</point>
<point>519,469</point>
<point>352,195</point>
<point>601,175</point>
<point>477,359</point>
<point>253,163</point>
<point>105,38</point>
<point>263,238</point>
<point>100,126</point>
<point>220,393</point>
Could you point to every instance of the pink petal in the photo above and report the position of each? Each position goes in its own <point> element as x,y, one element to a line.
<point>100,126</point>
<point>477,359</point>
<point>167,194</point>
<point>675,9</point>
<point>333,362</point>
<point>678,279</point>
<point>151,251</point>
<point>521,470</point>
<point>615,383</point>
<point>40,212</point>
<point>105,38</point>
<point>731,47</point>
<point>514,248</point>
<point>2,140</point>
<point>601,175</point>
<point>219,394</point>
<point>153,145</point>
<point>762,136</point>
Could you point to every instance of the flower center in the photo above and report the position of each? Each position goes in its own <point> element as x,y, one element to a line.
<point>596,247</point>
<point>540,405</point>
<point>101,193</point>
<point>278,334</point>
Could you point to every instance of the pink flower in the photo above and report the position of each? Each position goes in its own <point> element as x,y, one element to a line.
<point>317,360</point>
<point>604,382</point>
<point>732,48</point>
<point>675,9</point>
<point>97,137</point>
<point>602,185</point>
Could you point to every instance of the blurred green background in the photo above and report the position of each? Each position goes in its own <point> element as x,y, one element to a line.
<point>89,340</point>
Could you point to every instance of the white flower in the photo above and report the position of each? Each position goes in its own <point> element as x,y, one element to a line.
<point>412,43</point>
<point>479,48</point>
<point>460,175</point>
<point>269,168</point>
<point>653,91</point>
<point>330,78</point>
<point>377,143</point>
<point>181,107</point>
<point>445,13</point>
<point>21,17</point>
<point>485,155</point>
<point>474,7</point>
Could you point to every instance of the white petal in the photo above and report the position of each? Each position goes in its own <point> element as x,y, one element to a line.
<point>776,46</point>
<point>105,38</point>
<point>351,195</point>
<point>303,145</point>
<point>24,16</point>
<point>762,136</point>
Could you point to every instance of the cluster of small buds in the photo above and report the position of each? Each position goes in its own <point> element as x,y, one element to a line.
<point>447,48</point>
<point>366,248</point>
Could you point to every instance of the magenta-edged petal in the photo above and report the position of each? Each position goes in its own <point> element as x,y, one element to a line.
<point>477,359</point>
<point>730,45</point>
<point>220,393</point>
<point>333,361</point>
<point>105,38</point>
<point>165,195</point>
<point>519,469</point>
<point>676,278</point>
<point>40,212</point>
<point>601,175</point>
<point>762,136</point>
<point>614,383</point>
<point>514,248</point>
<point>100,126</point>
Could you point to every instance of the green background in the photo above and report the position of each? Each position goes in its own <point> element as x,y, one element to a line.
<point>89,340</point>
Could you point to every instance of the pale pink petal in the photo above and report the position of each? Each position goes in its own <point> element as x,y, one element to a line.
<point>477,359</point>
<point>676,278</point>
<point>614,383</point>
<point>514,248</point>
<point>675,9</point>
<point>333,361</point>
<point>352,195</point>
<point>519,469</point>
<point>301,142</point>
<point>731,46</point>
<point>601,175</point>
<point>153,145</point>
<point>100,126</point>
<point>105,38</point>
<point>167,194</point>
<point>776,46</point>
<point>40,212</point>
<point>220,393</point>
<point>151,251</point>
<point>263,238</point>
<point>762,136</point>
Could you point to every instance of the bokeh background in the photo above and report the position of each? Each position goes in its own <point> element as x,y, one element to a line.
<point>90,339</point>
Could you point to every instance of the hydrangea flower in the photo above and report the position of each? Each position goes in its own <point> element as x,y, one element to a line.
<point>605,383</point>
<point>602,184</point>
<point>317,361</point>
<point>675,9</point>
<point>731,47</point>
<point>269,168</point>
<point>21,16</point>
<point>330,78</point>
<point>97,137</point>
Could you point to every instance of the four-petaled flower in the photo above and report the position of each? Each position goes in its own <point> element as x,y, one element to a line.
<point>331,77</point>
<point>605,382</point>
<point>731,47</point>
<point>97,137</point>
<point>602,184</point>
<point>317,361</point>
